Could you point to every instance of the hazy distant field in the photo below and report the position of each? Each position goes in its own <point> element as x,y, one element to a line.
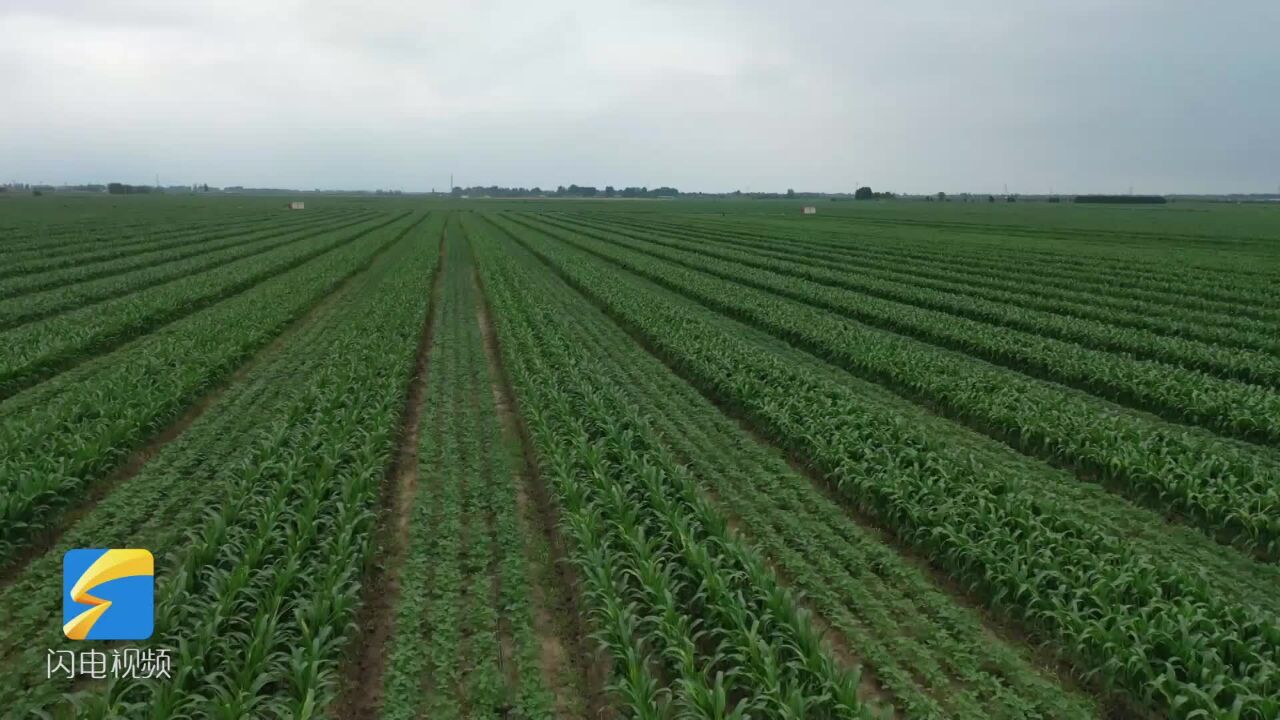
<point>528,459</point>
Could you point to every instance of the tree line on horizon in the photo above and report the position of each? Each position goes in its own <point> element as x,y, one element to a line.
<point>587,191</point>
<point>590,191</point>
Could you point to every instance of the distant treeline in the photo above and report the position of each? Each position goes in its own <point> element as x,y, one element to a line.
<point>586,191</point>
<point>609,191</point>
<point>1123,199</point>
<point>862,193</point>
<point>116,188</point>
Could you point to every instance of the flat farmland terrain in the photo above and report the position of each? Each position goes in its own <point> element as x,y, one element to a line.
<point>426,458</point>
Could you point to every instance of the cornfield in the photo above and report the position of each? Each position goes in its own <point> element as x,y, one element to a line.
<point>410,458</point>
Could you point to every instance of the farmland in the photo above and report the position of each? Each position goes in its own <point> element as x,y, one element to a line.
<point>412,458</point>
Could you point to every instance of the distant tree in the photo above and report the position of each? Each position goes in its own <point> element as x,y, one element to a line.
<point>863,193</point>
<point>790,193</point>
<point>1011,198</point>
<point>991,198</point>
<point>608,191</point>
<point>116,188</point>
<point>1123,199</point>
<point>942,197</point>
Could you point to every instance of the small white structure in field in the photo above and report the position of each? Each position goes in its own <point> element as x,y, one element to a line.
<point>810,210</point>
<point>297,205</point>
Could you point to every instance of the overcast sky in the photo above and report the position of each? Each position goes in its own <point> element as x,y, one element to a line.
<point>1072,96</point>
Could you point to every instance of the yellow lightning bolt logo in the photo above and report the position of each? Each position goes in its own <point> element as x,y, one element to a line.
<point>112,565</point>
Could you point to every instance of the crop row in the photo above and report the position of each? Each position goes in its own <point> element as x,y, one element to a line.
<point>52,449</point>
<point>1173,641</point>
<point>1148,531</point>
<point>194,490</point>
<point>30,353</point>
<point>695,623</point>
<point>465,591</point>
<point>70,239</point>
<point>1003,283</point>
<point>1228,491</point>
<point>930,656</point>
<point>42,262</point>
<point>215,240</point>
<point>987,266</point>
<point>25,235</point>
<point>1246,411</point>
<point>92,225</point>
<point>256,601</point>
<point>1169,282</point>
<point>16,311</point>
<point>1163,264</point>
<point>171,494</point>
<point>262,602</point>
<point>998,307</point>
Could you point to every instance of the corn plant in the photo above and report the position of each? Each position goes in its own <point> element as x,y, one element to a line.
<point>1060,574</point>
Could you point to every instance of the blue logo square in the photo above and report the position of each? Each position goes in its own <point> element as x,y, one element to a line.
<point>108,594</point>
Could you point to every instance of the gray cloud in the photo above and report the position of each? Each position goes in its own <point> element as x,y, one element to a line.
<point>717,95</point>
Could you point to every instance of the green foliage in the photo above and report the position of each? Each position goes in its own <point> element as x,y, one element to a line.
<point>984,387</point>
<point>37,295</point>
<point>1224,489</point>
<point>689,614</point>
<point>1090,591</point>
<point>58,439</point>
<point>464,584</point>
<point>261,550</point>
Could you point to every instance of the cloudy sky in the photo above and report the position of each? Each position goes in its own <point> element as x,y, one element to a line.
<point>1072,96</point>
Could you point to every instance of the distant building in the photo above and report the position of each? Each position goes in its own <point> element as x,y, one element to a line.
<point>297,205</point>
<point>810,210</point>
